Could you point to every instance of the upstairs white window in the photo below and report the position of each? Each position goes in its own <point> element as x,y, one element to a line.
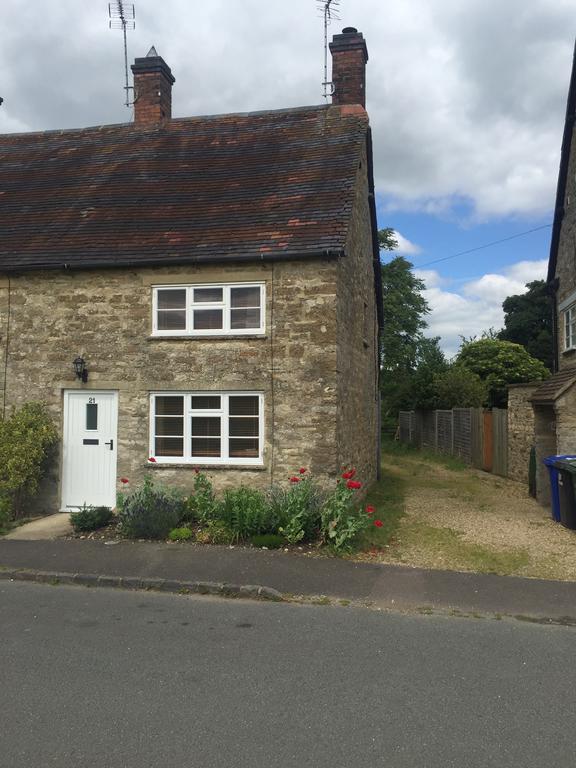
<point>209,310</point>
<point>206,428</point>
<point>570,328</point>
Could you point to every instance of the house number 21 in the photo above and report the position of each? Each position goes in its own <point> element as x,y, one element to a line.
<point>91,399</point>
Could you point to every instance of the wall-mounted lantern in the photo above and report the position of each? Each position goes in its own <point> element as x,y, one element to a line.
<point>80,369</point>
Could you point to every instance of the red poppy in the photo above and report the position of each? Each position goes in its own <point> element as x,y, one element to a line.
<point>349,475</point>
<point>124,480</point>
<point>354,485</point>
<point>370,510</point>
<point>378,523</point>
<point>294,479</point>
<point>302,470</point>
<point>152,459</point>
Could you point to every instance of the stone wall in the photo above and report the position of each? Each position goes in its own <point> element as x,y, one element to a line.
<point>357,334</point>
<point>106,317</point>
<point>521,436</point>
<point>566,259</point>
<point>545,431</point>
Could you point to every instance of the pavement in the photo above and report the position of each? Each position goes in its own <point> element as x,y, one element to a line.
<point>235,571</point>
<point>49,527</point>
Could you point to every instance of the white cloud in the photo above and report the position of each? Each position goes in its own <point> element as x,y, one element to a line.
<point>405,246</point>
<point>466,100</point>
<point>477,305</point>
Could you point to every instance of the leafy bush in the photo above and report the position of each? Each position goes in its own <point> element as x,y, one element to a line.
<point>215,532</point>
<point>5,515</point>
<point>298,508</point>
<point>201,504</point>
<point>268,540</point>
<point>181,534</point>
<point>341,521</point>
<point>27,440</point>
<point>150,512</point>
<point>90,518</point>
<point>246,512</point>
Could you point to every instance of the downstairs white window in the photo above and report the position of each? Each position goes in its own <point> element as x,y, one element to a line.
<point>229,309</point>
<point>570,328</point>
<point>207,427</point>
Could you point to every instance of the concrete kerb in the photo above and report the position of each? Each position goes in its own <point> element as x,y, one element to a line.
<point>250,591</point>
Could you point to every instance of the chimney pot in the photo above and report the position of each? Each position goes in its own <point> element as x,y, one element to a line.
<point>153,81</point>
<point>349,58</point>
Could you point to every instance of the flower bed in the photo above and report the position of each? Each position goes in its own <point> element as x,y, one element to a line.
<point>297,514</point>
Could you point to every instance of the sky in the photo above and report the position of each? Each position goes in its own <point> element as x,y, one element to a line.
<point>466,102</point>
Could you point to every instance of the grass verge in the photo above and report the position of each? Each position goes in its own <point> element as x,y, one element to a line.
<point>387,495</point>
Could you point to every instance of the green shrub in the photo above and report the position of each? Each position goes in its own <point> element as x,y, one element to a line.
<point>5,515</point>
<point>246,512</point>
<point>298,509</point>
<point>90,518</point>
<point>150,512</point>
<point>27,441</point>
<point>201,505</point>
<point>215,532</point>
<point>181,534</point>
<point>268,540</point>
<point>341,521</point>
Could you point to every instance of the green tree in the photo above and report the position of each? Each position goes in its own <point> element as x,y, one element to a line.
<point>499,363</point>
<point>404,311</point>
<point>431,364</point>
<point>458,387</point>
<point>387,239</point>
<point>528,321</point>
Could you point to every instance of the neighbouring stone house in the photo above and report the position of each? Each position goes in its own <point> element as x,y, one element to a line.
<point>554,402</point>
<point>215,280</point>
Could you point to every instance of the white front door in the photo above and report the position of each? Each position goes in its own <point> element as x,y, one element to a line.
<point>89,449</point>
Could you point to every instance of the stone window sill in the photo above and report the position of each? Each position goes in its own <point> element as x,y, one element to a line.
<point>211,467</point>
<point>242,336</point>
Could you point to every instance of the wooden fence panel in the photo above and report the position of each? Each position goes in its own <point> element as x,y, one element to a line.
<point>488,442</point>
<point>477,433</point>
<point>500,442</point>
<point>428,434</point>
<point>444,431</point>
<point>463,434</point>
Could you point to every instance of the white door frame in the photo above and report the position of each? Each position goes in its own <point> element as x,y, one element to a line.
<point>107,437</point>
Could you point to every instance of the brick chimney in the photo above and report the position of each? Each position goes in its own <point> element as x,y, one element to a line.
<point>153,83</point>
<point>349,58</point>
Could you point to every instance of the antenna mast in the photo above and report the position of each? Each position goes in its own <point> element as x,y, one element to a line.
<point>329,10</point>
<point>123,16</point>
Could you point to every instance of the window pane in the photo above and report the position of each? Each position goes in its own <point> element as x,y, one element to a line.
<point>245,318</point>
<point>91,415</point>
<point>167,405</point>
<point>205,426</point>
<point>170,425</point>
<point>206,446</point>
<point>245,297</point>
<point>172,299</point>
<point>244,427</point>
<point>207,294</point>
<point>245,405</point>
<point>171,320</point>
<point>241,448</point>
<point>169,446</point>
<point>209,402</point>
<point>207,319</point>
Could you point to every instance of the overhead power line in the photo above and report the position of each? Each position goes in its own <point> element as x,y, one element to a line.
<point>483,247</point>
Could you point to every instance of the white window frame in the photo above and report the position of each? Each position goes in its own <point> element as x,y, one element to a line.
<point>223,413</point>
<point>225,305</point>
<point>569,318</point>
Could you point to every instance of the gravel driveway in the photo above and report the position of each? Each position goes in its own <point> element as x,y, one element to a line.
<point>473,521</point>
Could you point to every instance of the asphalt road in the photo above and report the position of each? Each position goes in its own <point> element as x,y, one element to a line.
<point>140,680</point>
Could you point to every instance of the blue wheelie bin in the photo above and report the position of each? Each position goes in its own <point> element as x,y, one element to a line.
<point>550,462</point>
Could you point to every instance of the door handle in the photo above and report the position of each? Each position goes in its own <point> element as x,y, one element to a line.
<point>111,444</point>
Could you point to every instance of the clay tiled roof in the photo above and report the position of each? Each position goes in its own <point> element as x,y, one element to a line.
<point>265,185</point>
<point>553,387</point>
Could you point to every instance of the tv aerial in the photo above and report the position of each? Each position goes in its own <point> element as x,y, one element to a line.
<point>329,9</point>
<point>123,16</point>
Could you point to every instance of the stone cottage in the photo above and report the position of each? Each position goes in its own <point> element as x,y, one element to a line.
<point>201,291</point>
<point>554,401</point>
